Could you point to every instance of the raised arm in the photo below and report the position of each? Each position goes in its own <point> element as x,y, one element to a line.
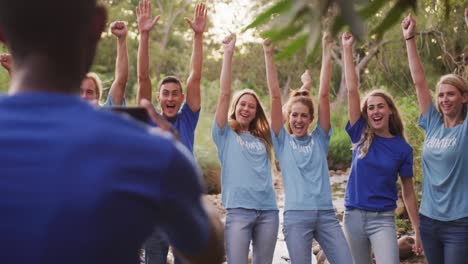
<point>352,84</point>
<point>145,25</point>
<point>273,87</point>
<point>7,63</point>
<point>417,72</point>
<point>198,25</point>
<point>117,90</point>
<point>229,44</point>
<point>324,92</point>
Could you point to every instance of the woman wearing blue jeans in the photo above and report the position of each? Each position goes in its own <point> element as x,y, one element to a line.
<point>444,205</point>
<point>380,154</point>
<point>243,141</point>
<point>309,211</point>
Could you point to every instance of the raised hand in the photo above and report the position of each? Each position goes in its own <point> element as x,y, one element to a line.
<point>408,25</point>
<point>267,46</point>
<point>6,61</point>
<point>144,19</point>
<point>198,23</point>
<point>306,79</point>
<point>119,29</point>
<point>229,43</point>
<point>347,39</point>
<point>327,44</point>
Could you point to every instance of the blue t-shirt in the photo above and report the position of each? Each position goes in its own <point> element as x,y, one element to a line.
<point>245,170</point>
<point>186,123</point>
<point>445,168</point>
<point>372,181</point>
<point>110,102</point>
<point>82,185</point>
<point>304,168</point>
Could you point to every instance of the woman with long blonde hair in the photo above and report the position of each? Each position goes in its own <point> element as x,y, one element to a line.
<point>380,155</point>
<point>444,203</point>
<point>308,209</point>
<point>243,140</point>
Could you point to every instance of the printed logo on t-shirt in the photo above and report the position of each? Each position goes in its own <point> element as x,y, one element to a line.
<point>441,143</point>
<point>251,146</point>
<point>302,149</point>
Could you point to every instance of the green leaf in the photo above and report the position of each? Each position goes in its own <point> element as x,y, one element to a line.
<point>283,33</point>
<point>291,49</point>
<point>280,7</point>
<point>393,16</point>
<point>365,13</point>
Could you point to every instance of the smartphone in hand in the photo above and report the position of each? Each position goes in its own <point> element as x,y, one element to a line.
<point>139,113</point>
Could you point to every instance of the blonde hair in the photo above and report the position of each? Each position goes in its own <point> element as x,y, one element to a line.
<point>395,124</point>
<point>97,81</point>
<point>305,100</point>
<point>457,82</point>
<point>259,126</point>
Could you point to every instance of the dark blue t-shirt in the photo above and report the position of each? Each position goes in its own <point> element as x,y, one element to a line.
<point>372,180</point>
<point>79,185</point>
<point>186,123</point>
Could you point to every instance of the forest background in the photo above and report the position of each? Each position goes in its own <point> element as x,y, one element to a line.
<point>295,26</point>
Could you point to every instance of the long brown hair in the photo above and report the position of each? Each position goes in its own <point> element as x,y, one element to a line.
<point>395,124</point>
<point>259,126</point>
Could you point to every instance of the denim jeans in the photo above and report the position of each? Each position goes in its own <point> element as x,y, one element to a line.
<point>444,241</point>
<point>156,248</point>
<point>302,226</point>
<point>366,229</point>
<point>246,225</point>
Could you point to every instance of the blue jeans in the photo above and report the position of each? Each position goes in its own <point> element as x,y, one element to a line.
<point>444,241</point>
<point>156,248</point>
<point>300,228</point>
<point>366,229</point>
<point>245,225</point>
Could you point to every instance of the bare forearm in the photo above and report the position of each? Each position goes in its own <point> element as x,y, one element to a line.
<point>117,90</point>
<point>409,198</point>
<point>144,81</point>
<point>194,80</point>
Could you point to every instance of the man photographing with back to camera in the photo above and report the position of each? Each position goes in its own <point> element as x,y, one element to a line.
<point>73,187</point>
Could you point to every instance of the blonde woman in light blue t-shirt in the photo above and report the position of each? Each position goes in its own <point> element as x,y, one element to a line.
<point>444,205</point>
<point>308,209</point>
<point>243,140</point>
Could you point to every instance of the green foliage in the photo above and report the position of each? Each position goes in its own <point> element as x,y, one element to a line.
<point>339,150</point>
<point>297,19</point>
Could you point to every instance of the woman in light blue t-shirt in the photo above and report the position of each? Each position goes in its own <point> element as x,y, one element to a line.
<point>444,204</point>
<point>243,140</point>
<point>380,155</point>
<point>309,211</point>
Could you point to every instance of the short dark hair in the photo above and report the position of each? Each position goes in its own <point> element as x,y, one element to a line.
<point>47,26</point>
<point>171,79</point>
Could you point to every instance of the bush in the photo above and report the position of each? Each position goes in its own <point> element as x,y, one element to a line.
<point>339,151</point>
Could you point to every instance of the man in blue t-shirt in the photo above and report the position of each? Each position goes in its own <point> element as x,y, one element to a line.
<point>182,115</point>
<point>73,186</point>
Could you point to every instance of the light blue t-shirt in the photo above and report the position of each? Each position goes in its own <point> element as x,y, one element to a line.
<point>445,168</point>
<point>110,102</point>
<point>304,168</point>
<point>245,170</point>
<point>372,181</point>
